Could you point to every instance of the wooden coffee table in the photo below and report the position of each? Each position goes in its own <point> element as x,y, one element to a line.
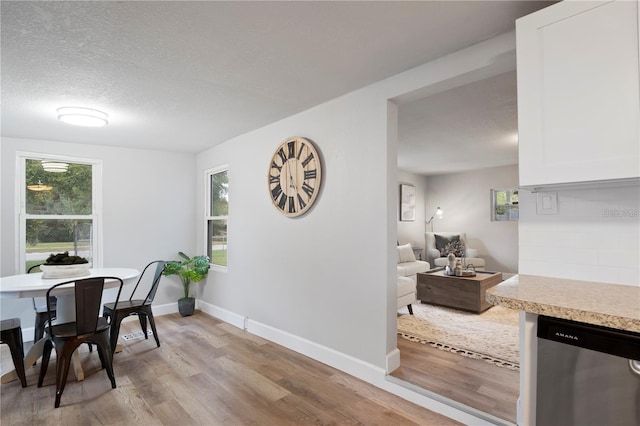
<point>465,293</point>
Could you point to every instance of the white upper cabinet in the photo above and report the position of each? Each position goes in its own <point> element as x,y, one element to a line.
<point>578,93</point>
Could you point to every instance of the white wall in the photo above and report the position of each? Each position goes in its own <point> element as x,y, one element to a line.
<point>412,232</point>
<point>466,202</point>
<point>594,237</point>
<point>148,210</point>
<point>322,276</point>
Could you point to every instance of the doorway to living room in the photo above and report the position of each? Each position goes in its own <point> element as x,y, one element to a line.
<point>455,146</point>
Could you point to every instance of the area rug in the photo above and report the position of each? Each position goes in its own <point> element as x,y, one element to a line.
<point>491,336</point>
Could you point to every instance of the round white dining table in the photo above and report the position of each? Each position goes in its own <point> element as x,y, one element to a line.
<point>33,285</point>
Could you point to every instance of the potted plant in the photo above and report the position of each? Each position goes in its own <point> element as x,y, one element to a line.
<point>190,269</point>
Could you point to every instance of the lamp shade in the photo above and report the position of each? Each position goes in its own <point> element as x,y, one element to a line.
<point>80,116</point>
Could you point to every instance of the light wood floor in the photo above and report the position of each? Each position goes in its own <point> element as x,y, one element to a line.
<point>209,373</point>
<point>473,382</point>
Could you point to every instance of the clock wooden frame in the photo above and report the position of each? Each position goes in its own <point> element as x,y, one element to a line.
<point>295,175</point>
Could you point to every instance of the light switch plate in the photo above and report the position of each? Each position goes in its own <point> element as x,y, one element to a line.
<point>547,203</point>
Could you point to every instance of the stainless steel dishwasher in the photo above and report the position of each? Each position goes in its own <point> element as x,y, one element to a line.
<point>587,375</point>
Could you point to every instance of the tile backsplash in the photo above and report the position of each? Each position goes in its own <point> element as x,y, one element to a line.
<point>594,236</point>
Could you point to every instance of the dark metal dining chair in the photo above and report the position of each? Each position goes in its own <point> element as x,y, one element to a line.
<point>11,334</point>
<point>118,311</point>
<point>89,327</point>
<point>42,314</point>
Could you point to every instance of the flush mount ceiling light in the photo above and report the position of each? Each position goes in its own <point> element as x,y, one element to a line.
<point>79,116</point>
<point>54,166</point>
<point>39,187</point>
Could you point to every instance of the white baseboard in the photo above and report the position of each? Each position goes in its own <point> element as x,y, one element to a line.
<point>222,314</point>
<point>393,360</point>
<point>168,308</point>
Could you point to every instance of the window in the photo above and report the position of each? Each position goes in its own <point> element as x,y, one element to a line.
<point>59,198</point>
<point>504,204</point>
<point>217,215</point>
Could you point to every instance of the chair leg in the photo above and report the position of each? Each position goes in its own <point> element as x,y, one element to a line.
<point>46,354</point>
<point>38,328</point>
<point>63,363</point>
<point>410,309</point>
<point>14,340</point>
<point>104,348</point>
<point>114,330</point>
<point>142,318</point>
<point>101,355</point>
<point>153,326</point>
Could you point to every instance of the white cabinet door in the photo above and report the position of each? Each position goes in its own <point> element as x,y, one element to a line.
<point>578,93</point>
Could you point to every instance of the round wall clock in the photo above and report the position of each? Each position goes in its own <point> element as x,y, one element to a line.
<point>294,176</point>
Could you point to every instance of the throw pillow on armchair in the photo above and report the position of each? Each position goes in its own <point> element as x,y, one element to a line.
<point>450,245</point>
<point>439,245</point>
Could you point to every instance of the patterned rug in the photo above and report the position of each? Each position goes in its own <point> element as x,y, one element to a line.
<point>491,336</point>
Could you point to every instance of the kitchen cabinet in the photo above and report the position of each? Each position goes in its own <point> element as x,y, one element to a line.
<point>578,93</point>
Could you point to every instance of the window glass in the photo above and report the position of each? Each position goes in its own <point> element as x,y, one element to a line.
<point>504,204</point>
<point>47,236</point>
<point>217,217</point>
<point>58,209</point>
<point>58,193</point>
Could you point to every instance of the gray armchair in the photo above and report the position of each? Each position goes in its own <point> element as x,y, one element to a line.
<point>435,258</point>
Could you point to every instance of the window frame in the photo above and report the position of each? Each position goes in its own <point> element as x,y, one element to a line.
<point>23,216</point>
<point>207,213</point>
<point>512,207</point>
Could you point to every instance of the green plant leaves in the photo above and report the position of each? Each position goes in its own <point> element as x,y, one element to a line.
<point>190,269</point>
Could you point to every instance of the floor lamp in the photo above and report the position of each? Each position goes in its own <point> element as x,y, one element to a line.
<point>438,213</point>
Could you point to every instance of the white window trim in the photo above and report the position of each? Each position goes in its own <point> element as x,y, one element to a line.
<point>207,217</point>
<point>22,216</point>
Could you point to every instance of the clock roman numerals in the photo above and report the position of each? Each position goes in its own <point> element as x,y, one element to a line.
<point>276,191</point>
<point>275,166</point>
<point>274,179</point>
<point>282,201</point>
<point>310,174</point>
<point>307,160</point>
<point>301,202</point>
<point>307,189</point>
<point>283,157</point>
<point>291,147</point>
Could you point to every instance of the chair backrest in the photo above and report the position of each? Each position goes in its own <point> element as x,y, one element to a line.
<point>32,268</point>
<point>88,301</point>
<point>150,281</point>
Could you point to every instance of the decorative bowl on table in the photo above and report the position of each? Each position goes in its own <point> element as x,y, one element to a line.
<point>65,271</point>
<point>62,265</point>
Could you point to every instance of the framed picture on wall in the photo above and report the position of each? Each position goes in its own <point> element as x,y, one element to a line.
<point>407,202</point>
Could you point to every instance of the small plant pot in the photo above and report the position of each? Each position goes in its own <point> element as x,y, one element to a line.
<point>186,306</point>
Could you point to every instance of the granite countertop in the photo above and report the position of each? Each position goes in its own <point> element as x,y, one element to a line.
<point>610,305</point>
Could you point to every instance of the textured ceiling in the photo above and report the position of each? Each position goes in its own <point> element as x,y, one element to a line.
<point>185,76</point>
<point>469,127</point>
